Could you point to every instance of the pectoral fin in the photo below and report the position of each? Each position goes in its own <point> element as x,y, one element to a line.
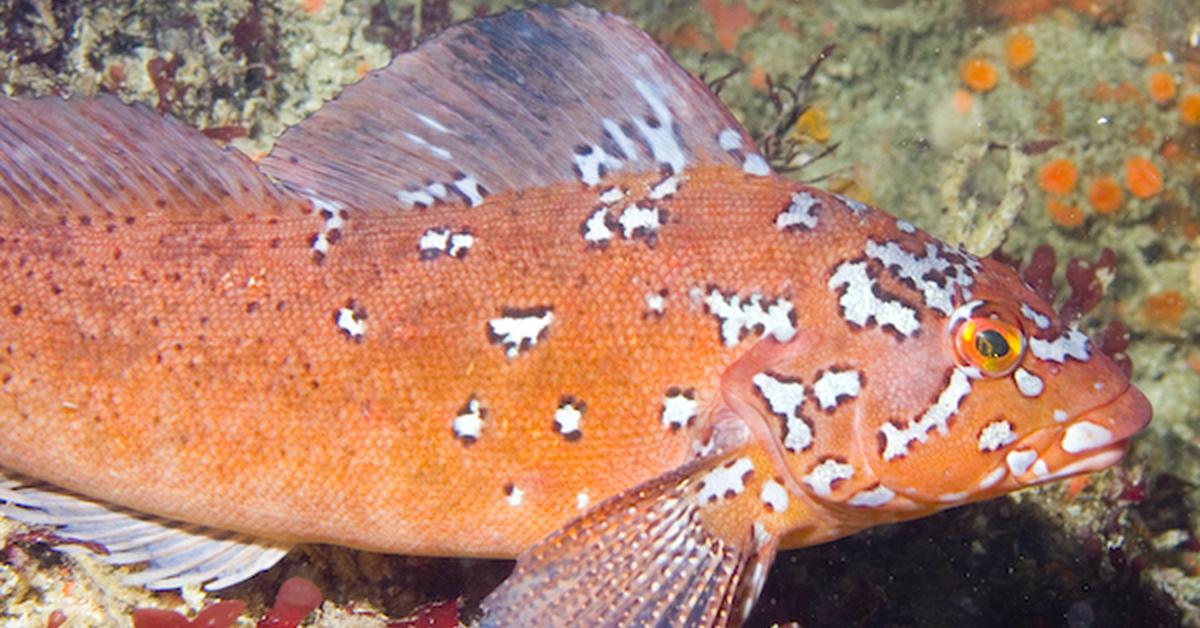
<point>684,549</point>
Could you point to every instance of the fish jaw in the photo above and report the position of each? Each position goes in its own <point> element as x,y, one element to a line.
<point>1090,442</point>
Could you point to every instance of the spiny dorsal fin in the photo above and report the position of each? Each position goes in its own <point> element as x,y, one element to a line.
<point>92,157</point>
<point>647,557</point>
<point>518,100</point>
<point>175,554</point>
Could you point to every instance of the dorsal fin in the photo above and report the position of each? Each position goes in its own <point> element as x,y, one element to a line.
<point>86,157</point>
<point>518,100</point>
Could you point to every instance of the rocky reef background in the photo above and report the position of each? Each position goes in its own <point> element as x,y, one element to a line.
<point>998,124</point>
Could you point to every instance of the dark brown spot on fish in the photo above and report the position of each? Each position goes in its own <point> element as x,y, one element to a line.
<point>252,307</point>
<point>17,309</point>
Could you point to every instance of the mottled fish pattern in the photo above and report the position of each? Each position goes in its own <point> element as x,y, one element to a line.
<point>528,291</point>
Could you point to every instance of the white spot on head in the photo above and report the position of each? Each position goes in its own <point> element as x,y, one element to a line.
<point>996,435</point>
<point>951,498</point>
<point>1020,460</point>
<point>905,226</point>
<point>1073,344</point>
<point>937,415</point>
<point>860,306</point>
<point>993,477</point>
<point>784,399</point>
<point>872,498</point>
<point>755,165</point>
<point>679,408</point>
<point>823,476</point>
<point>1029,384</point>
<point>520,331</point>
<point>774,496</point>
<point>736,317</point>
<point>567,418</point>
<point>935,275</point>
<point>582,500</point>
<point>835,385</point>
<point>1060,416</point>
<point>1084,436</point>
<point>1042,322</point>
<point>1040,470</point>
<point>726,481</point>
<point>800,214</point>
<point>514,495</point>
<point>469,423</point>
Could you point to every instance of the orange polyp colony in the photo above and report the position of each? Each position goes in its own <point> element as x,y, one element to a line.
<point>1165,307</point>
<point>1019,51</point>
<point>1161,87</point>
<point>978,74</point>
<point>1058,176</point>
<point>1142,177</point>
<point>1064,214</point>
<point>1189,110</point>
<point>1105,195</point>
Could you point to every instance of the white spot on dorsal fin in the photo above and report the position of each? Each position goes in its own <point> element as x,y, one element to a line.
<point>771,318</point>
<point>414,198</point>
<point>627,146</point>
<point>470,189</point>
<point>729,140</point>
<point>665,188</point>
<point>520,330</point>
<point>592,163</point>
<point>435,150</point>
<point>612,195</point>
<point>754,164</point>
<point>659,131</point>
<point>431,123</point>
<point>176,554</point>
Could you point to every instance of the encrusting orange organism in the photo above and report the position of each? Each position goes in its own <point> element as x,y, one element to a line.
<point>1105,195</point>
<point>1064,214</point>
<point>1058,176</point>
<point>1161,87</point>
<point>1020,51</point>
<point>979,74</point>
<point>1142,177</point>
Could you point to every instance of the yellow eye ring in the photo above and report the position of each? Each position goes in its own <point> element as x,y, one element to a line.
<point>993,346</point>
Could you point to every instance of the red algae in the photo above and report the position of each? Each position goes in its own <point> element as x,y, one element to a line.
<point>297,597</point>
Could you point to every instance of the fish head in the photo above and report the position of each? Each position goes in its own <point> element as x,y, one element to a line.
<point>1024,399</point>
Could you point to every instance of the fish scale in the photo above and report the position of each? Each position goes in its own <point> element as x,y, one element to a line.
<point>550,304</point>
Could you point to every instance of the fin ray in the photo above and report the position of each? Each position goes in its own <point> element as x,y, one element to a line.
<point>176,554</point>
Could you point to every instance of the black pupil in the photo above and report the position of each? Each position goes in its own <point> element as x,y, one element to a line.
<point>991,344</point>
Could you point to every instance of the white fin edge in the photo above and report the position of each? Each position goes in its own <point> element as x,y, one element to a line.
<point>176,554</point>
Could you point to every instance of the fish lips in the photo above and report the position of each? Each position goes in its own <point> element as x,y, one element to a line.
<point>1089,442</point>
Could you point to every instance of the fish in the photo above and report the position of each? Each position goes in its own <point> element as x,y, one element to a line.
<point>530,291</point>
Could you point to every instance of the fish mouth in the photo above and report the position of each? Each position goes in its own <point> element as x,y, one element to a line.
<point>1089,442</point>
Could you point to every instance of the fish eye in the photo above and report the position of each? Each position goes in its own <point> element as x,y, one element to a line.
<point>993,346</point>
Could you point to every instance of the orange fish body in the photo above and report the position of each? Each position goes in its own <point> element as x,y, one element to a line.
<point>481,304</point>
